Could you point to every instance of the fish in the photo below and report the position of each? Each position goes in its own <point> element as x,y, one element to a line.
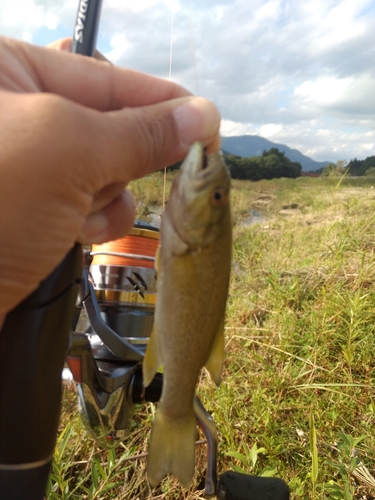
<point>193,266</point>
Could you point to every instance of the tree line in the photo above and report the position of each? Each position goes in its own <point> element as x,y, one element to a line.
<point>362,167</point>
<point>271,165</point>
<point>356,168</point>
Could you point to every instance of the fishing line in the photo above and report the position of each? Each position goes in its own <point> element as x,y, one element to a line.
<point>170,79</point>
<point>194,63</point>
<point>192,48</point>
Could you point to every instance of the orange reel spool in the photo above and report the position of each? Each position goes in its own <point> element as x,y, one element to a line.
<point>137,249</point>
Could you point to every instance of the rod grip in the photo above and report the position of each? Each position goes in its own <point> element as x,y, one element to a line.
<point>33,342</point>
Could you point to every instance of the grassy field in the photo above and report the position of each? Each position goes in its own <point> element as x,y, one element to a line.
<point>296,399</point>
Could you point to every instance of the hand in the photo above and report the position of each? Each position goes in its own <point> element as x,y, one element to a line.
<point>73,132</point>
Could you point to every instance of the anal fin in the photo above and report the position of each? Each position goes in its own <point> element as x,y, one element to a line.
<point>215,360</point>
<point>151,360</point>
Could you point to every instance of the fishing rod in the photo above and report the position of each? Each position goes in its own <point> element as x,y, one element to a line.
<point>86,27</point>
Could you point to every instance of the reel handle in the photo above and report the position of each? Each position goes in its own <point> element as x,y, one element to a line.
<point>236,486</point>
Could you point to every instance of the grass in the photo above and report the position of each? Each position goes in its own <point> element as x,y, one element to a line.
<point>296,399</point>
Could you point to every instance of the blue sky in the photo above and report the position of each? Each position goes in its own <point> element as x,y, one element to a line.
<point>297,72</point>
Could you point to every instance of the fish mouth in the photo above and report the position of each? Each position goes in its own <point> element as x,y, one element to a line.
<point>198,164</point>
<point>196,160</point>
<point>204,160</point>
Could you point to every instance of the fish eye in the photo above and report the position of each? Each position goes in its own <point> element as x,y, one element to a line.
<point>218,197</point>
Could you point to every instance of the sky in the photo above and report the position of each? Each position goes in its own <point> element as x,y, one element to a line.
<point>297,72</point>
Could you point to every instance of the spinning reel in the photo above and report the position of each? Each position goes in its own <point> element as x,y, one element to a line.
<point>116,301</point>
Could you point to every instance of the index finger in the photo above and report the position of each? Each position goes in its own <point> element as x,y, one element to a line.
<point>65,44</point>
<point>93,83</point>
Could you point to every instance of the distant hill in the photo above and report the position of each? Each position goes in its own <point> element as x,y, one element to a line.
<point>253,145</point>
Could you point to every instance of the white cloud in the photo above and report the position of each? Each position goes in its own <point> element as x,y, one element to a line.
<point>342,23</point>
<point>141,5</point>
<point>344,96</point>
<point>32,15</point>
<point>27,36</point>
<point>298,72</point>
<point>270,130</point>
<point>269,10</point>
<point>138,6</point>
<point>23,18</point>
<point>230,128</point>
<point>323,90</point>
<point>119,44</point>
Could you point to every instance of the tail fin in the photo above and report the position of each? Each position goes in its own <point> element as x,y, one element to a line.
<point>172,449</point>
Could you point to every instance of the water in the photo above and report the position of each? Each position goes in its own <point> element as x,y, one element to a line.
<point>255,217</point>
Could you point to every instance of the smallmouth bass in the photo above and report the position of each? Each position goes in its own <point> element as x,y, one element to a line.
<point>193,265</point>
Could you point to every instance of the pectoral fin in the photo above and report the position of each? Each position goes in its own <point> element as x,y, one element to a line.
<point>151,360</point>
<point>215,361</point>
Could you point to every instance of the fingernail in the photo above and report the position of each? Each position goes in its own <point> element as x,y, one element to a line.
<point>197,120</point>
<point>95,225</point>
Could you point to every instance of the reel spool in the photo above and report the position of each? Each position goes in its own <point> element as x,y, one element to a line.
<point>124,279</point>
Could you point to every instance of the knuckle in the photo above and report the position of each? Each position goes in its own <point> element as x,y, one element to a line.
<point>154,134</point>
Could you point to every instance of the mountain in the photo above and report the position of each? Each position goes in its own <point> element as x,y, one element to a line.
<point>253,145</point>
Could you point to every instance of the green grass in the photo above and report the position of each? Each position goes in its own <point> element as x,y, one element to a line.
<point>296,399</point>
